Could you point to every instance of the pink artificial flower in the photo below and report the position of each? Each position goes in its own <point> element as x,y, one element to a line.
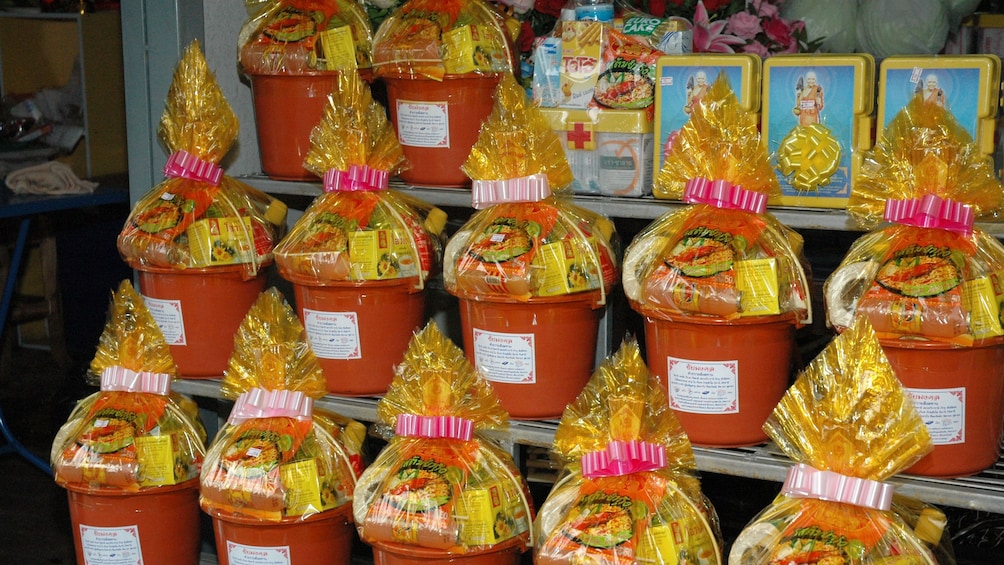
<point>744,24</point>
<point>777,30</point>
<point>764,8</point>
<point>756,48</point>
<point>708,36</point>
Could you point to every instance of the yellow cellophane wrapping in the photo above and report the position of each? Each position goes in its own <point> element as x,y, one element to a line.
<point>278,468</point>
<point>920,283</point>
<point>626,518</point>
<point>429,39</point>
<point>173,225</point>
<point>130,441</point>
<point>520,250</point>
<point>446,494</point>
<point>299,37</point>
<point>335,239</point>
<point>846,413</point>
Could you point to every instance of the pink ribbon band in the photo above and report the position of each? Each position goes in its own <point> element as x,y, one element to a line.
<point>931,212</point>
<point>533,188</point>
<point>125,380</point>
<point>723,194</point>
<point>804,481</point>
<point>623,458</point>
<point>185,165</point>
<point>357,178</point>
<point>263,403</point>
<point>451,427</point>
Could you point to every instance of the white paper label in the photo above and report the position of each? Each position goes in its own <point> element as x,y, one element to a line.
<point>239,554</point>
<point>110,546</point>
<point>504,357</point>
<point>333,335</point>
<point>423,124</point>
<point>943,411</point>
<point>167,314</point>
<point>703,387</point>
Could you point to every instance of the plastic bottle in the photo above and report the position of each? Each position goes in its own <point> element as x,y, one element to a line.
<point>595,10</point>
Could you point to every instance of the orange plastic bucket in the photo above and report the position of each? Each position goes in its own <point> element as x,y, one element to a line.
<point>959,392</point>
<point>360,330</point>
<point>287,107</point>
<point>723,378</point>
<point>159,526</point>
<point>437,123</point>
<point>322,538</point>
<point>505,553</point>
<point>199,311</point>
<point>538,354</point>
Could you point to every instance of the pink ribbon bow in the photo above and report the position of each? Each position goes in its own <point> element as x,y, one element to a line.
<point>125,380</point>
<point>357,178</point>
<point>623,458</point>
<point>723,194</point>
<point>805,481</point>
<point>263,403</point>
<point>184,164</point>
<point>931,212</point>
<point>533,188</point>
<point>451,427</point>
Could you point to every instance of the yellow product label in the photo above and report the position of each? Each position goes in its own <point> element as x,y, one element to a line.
<point>467,49</point>
<point>660,544</point>
<point>981,297</point>
<point>156,459</point>
<point>580,62</point>
<point>756,279</point>
<point>303,489</point>
<point>220,241</point>
<point>372,255</point>
<point>485,517</point>
<point>565,270</point>
<point>404,529</point>
<point>339,49</point>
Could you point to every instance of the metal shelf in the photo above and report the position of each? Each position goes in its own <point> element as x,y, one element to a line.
<point>984,491</point>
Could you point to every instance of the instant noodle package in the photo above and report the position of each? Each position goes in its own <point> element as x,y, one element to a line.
<point>201,240</point>
<point>628,491</point>
<point>279,476</point>
<point>130,454</point>
<point>720,282</point>
<point>360,256</point>
<point>849,426</point>
<point>927,280</point>
<point>442,488</point>
<point>532,270</point>
<point>292,51</point>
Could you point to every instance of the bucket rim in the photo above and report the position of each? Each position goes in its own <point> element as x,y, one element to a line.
<point>591,296</point>
<point>662,315</point>
<point>238,268</point>
<point>191,484</point>
<point>339,512</point>
<point>349,284</point>
<point>927,344</point>
<point>391,75</point>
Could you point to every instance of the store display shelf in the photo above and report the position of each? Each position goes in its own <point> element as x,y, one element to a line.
<point>983,492</point>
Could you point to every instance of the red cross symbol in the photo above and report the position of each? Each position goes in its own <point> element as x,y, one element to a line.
<point>579,137</point>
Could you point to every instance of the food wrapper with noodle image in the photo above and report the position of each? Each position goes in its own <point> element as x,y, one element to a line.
<point>134,434</point>
<point>442,482</point>
<point>527,238</point>
<point>628,491</point>
<point>358,229</point>
<point>434,38</point>
<point>849,426</point>
<point>274,459</point>
<point>927,273</point>
<point>303,37</point>
<point>199,217</point>
<point>723,256</point>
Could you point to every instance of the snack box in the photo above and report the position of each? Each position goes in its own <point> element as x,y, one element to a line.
<point>681,81</point>
<point>610,151</point>
<point>835,91</point>
<point>968,85</point>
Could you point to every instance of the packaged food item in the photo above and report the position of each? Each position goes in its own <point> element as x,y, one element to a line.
<point>673,35</point>
<point>274,461</point>
<point>198,217</point>
<point>135,434</point>
<point>628,490</point>
<point>293,37</point>
<point>442,483</point>
<point>849,427</point>
<point>358,229</point>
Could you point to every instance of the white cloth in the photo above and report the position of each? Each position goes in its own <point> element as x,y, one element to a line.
<point>53,177</point>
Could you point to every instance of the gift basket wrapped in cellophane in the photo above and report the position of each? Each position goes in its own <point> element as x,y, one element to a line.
<point>443,486</point>
<point>849,426</point>
<point>135,433</point>
<point>278,459</point>
<point>628,491</point>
